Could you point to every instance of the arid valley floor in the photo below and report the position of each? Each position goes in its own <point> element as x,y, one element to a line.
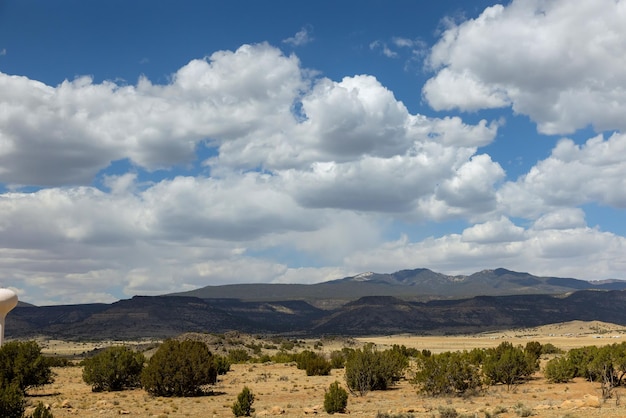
<point>282,389</point>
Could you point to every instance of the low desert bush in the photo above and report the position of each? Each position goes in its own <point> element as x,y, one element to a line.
<point>238,356</point>
<point>283,357</point>
<point>42,411</point>
<point>368,369</point>
<point>58,362</point>
<point>549,348</point>
<point>508,364</point>
<point>222,364</point>
<point>22,364</point>
<point>406,351</point>
<point>449,373</point>
<point>398,415</point>
<point>315,364</point>
<point>447,412</point>
<point>335,399</point>
<point>179,368</point>
<point>337,359</point>
<point>559,370</point>
<point>11,401</point>
<point>113,369</point>
<point>522,411</point>
<point>243,405</point>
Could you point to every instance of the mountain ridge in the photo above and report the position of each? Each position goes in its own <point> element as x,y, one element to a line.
<point>409,301</point>
<point>415,284</point>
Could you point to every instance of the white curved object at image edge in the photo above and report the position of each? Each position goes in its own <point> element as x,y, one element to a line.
<point>8,301</point>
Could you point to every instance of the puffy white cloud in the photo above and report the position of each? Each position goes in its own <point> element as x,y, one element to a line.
<point>465,91</point>
<point>469,191</point>
<point>573,175</point>
<point>472,185</point>
<point>371,184</point>
<point>558,64</point>
<point>356,116</point>
<point>566,218</point>
<point>66,134</point>
<point>236,209</point>
<point>452,131</point>
<point>502,230</point>
<point>241,103</point>
<point>579,252</point>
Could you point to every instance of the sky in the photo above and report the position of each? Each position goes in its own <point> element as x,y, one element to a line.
<point>150,147</point>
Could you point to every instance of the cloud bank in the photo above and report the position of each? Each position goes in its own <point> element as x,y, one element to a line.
<point>558,64</point>
<point>310,179</point>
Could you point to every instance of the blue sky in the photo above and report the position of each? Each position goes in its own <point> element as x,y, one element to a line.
<point>148,147</point>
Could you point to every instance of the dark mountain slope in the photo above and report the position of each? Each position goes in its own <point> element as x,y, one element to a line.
<point>391,315</point>
<point>159,317</point>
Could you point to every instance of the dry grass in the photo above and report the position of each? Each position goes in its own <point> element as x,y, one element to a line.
<point>283,388</point>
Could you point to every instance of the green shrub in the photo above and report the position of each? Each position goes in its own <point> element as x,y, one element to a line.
<point>238,356</point>
<point>222,365</point>
<point>605,367</point>
<point>549,348</point>
<point>559,370</point>
<point>303,358</point>
<point>243,406</point>
<point>581,358</point>
<point>398,415</point>
<point>315,364</point>
<point>113,369</point>
<point>42,411</point>
<point>447,412</point>
<point>22,363</point>
<point>450,373</point>
<point>263,358</point>
<point>335,399</point>
<point>58,362</point>
<point>508,365</point>
<point>534,349</point>
<point>477,355</point>
<point>368,369</point>
<point>179,368</point>
<point>283,357</point>
<point>11,401</point>
<point>405,351</point>
<point>256,348</point>
<point>337,359</point>
<point>287,345</point>
<point>522,411</point>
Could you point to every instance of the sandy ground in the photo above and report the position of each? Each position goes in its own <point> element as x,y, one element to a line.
<point>282,389</point>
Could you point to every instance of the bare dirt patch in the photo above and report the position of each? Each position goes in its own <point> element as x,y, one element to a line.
<point>282,389</point>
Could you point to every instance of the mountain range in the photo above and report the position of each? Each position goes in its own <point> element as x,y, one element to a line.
<point>418,284</point>
<point>411,301</point>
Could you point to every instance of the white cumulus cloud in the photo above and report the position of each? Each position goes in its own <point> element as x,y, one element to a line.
<point>560,65</point>
<point>573,175</point>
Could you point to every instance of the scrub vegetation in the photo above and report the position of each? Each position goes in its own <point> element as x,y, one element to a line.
<point>329,375</point>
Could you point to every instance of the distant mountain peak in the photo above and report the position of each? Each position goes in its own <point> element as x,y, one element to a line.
<point>362,277</point>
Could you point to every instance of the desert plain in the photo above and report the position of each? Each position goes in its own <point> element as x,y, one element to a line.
<point>284,390</point>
